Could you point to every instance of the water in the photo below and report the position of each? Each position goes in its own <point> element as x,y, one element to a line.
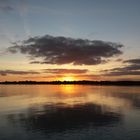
<point>69,112</point>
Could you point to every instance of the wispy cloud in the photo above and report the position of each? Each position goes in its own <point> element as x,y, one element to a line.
<point>68,71</point>
<point>60,76</point>
<point>44,71</point>
<point>16,72</point>
<point>132,67</point>
<point>133,61</point>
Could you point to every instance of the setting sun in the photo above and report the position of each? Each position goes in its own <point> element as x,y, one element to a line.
<point>68,78</point>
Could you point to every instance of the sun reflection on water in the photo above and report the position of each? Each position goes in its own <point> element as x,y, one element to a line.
<point>20,97</point>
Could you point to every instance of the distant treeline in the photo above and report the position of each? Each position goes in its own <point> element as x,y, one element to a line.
<point>84,82</point>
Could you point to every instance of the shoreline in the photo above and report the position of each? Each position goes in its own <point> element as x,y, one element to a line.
<point>84,82</point>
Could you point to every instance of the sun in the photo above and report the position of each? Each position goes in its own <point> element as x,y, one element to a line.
<point>68,78</point>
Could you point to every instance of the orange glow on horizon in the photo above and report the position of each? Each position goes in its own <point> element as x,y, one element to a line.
<point>68,78</point>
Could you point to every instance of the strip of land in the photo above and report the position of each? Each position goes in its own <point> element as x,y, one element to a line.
<point>83,82</point>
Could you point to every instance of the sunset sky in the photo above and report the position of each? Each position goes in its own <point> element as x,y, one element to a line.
<point>47,40</point>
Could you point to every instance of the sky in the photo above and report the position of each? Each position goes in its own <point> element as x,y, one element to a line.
<point>47,40</point>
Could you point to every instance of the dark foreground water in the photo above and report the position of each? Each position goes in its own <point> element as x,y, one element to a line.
<point>69,112</point>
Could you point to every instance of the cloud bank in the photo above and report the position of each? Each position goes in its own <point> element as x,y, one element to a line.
<point>132,68</point>
<point>43,71</point>
<point>63,50</point>
<point>16,72</point>
<point>133,61</point>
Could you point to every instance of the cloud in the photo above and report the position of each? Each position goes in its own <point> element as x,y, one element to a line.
<point>68,71</point>
<point>63,50</point>
<point>121,73</point>
<point>133,61</point>
<point>57,72</point>
<point>60,76</point>
<point>16,72</point>
<point>127,68</point>
<point>119,60</point>
<point>133,68</point>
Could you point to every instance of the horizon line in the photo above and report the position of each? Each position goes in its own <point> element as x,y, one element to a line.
<point>78,82</point>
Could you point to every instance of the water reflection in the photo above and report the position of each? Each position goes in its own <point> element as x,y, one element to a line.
<point>57,118</point>
<point>132,97</point>
<point>23,97</point>
<point>39,111</point>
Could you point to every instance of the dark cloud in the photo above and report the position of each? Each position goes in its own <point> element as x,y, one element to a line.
<point>127,68</point>
<point>121,73</point>
<point>133,61</point>
<point>132,69</point>
<point>16,72</point>
<point>68,71</point>
<point>62,50</point>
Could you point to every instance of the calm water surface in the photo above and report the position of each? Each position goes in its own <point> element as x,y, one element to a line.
<point>69,112</point>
